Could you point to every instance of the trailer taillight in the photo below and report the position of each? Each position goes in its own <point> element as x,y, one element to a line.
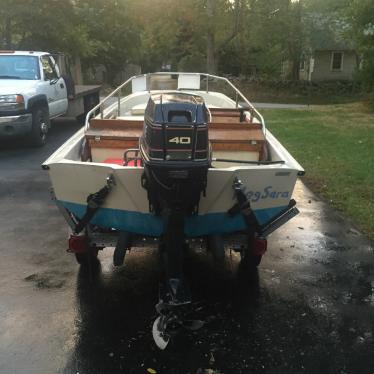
<point>260,246</point>
<point>78,244</point>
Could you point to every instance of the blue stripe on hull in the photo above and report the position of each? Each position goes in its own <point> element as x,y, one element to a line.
<point>152,225</point>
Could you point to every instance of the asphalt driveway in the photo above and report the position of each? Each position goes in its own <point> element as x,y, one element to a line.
<point>310,307</point>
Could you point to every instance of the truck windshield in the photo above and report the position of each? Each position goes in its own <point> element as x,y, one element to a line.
<point>19,67</point>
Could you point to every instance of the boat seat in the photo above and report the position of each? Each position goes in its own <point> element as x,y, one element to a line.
<point>119,135</point>
<point>229,115</point>
<point>114,133</point>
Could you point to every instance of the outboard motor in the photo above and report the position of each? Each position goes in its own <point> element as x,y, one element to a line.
<point>175,151</point>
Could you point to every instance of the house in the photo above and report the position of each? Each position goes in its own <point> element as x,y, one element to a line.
<point>333,63</point>
<point>327,54</point>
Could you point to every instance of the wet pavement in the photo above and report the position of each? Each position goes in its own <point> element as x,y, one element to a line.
<point>310,307</point>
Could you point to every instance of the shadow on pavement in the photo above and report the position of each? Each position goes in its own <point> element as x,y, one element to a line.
<point>116,312</point>
<point>61,130</point>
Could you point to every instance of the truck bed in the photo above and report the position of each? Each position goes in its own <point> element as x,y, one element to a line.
<point>82,90</point>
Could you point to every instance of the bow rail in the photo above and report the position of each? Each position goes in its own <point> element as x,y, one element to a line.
<point>185,81</point>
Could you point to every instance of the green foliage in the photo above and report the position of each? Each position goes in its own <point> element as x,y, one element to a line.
<point>240,37</point>
<point>42,25</point>
<point>360,16</point>
<point>170,33</point>
<point>369,101</point>
<point>97,31</point>
<point>112,32</point>
<point>326,24</point>
<point>192,63</point>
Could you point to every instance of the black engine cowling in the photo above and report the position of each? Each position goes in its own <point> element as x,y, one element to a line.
<point>175,151</point>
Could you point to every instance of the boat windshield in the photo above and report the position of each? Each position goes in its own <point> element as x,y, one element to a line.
<point>19,67</point>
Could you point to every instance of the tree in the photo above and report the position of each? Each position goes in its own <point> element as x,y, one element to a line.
<point>34,25</point>
<point>221,16</point>
<point>111,33</point>
<point>181,31</point>
<point>170,33</point>
<point>360,18</point>
<point>97,31</point>
<point>226,36</point>
<point>11,12</point>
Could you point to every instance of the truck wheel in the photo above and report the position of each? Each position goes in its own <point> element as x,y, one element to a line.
<point>81,119</point>
<point>40,124</point>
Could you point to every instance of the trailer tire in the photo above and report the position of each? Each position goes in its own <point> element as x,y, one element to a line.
<point>86,258</point>
<point>216,246</point>
<point>40,125</point>
<point>251,261</point>
<point>123,244</point>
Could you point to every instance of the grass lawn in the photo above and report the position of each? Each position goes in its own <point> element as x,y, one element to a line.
<point>335,145</point>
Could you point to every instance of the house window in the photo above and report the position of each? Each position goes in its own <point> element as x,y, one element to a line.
<point>337,61</point>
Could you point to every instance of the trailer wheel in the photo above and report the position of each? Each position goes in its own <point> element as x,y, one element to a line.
<point>123,244</point>
<point>40,125</point>
<point>251,261</point>
<point>216,246</point>
<point>84,259</point>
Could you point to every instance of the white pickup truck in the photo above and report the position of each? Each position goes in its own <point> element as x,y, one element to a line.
<point>33,91</point>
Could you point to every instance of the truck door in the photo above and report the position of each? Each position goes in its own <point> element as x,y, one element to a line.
<point>54,87</point>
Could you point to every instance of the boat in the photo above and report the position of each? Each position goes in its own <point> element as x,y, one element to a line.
<point>172,159</point>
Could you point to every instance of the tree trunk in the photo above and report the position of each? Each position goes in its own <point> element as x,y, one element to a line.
<point>296,40</point>
<point>295,72</point>
<point>211,55</point>
<point>211,63</point>
<point>8,34</point>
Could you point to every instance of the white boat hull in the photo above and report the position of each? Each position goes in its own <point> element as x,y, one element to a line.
<point>269,189</point>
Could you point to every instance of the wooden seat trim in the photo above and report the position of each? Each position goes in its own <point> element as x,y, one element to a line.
<point>115,124</point>
<point>113,143</point>
<point>234,126</point>
<point>224,119</point>
<point>130,133</point>
<point>227,111</point>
